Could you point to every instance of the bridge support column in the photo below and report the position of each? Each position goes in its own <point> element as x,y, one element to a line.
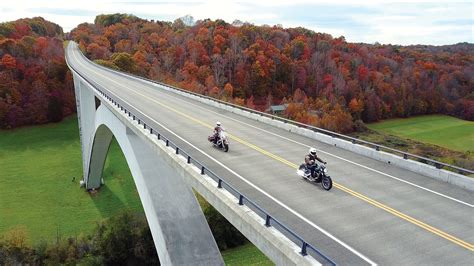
<point>85,104</point>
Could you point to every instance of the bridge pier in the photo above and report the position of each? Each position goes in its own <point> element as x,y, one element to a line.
<point>85,104</point>
<point>178,226</point>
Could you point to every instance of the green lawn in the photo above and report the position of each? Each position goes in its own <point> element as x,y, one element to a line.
<point>36,188</point>
<point>37,194</point>
<point>445,131</point>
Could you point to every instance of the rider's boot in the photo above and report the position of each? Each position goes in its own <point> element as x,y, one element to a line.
<point>317,178</point>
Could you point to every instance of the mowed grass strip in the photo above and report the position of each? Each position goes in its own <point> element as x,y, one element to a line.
<point>442,130</point>
<point>37,190</point>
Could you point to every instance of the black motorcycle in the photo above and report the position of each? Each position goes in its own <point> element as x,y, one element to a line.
<point>320,175</point>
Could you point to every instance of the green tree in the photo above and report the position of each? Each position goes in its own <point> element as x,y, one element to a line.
<point>225,234</point>
<point>124,61</point>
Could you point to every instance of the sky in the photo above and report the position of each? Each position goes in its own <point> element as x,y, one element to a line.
<point>397,22</point>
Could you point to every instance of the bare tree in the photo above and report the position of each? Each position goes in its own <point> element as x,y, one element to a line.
<point>218,67</point>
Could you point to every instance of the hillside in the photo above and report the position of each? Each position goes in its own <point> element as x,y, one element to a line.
<point>327,81</point>
<point>35,84</point>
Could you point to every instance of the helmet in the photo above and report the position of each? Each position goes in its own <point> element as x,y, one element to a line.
<point>218,123</point>
<point>312,151</point>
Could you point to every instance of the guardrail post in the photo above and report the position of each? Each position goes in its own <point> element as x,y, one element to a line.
<point>167,143</point>
<point>405,156</point>
<point>354,141</point>
<point>219,183</point>
<point>139,121</point>
<point>438,166</point>
<point>241,199</point>
<point>202,170</point>
<point>177,150</point>
<point>267,220</point>
<point>151,130</point>
<point>144,126</point>
<point>159,136</point>
<point>377,148</point>
<point>189,159</point>
<point>303,249</point>
<point>133,118</point>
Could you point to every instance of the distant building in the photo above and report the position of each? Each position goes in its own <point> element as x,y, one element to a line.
<point>277,109</point>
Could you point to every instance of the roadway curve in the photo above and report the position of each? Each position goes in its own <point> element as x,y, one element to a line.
<point>376,213</point>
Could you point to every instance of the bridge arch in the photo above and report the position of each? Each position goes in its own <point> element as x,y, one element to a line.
<point>179,228</point>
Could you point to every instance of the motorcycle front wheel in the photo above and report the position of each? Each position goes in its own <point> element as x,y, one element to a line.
<point>326,183</point>
<point>226,147</point>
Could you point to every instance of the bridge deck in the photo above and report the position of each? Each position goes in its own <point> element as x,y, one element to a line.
<point>370,215</point>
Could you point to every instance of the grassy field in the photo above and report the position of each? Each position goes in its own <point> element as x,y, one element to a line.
<point>37,190</point>
<point>38,193</point>
<point>445,131</point>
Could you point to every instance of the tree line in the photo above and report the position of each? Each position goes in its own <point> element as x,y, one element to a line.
<point>121,240</point>
<point>325,81</point>
<point>35,83</point>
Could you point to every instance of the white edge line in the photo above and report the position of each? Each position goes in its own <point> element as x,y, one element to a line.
<point>248,182</point>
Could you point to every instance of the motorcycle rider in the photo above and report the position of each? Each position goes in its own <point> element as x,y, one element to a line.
<point>310,161</point>
<point>217,130</point>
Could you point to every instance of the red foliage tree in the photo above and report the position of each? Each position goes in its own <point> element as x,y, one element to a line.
<point>34,83</point>
<point>8,61</point>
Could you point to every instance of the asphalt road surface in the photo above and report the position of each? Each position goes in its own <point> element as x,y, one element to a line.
<point>376,213</point>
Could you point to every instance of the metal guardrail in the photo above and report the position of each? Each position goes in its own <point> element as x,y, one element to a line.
<point>221,183</point>
<point>333,134</point>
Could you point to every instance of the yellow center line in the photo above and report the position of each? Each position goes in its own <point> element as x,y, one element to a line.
<point>337,185</point>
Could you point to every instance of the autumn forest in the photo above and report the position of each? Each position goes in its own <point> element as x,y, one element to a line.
<point>324,81</point>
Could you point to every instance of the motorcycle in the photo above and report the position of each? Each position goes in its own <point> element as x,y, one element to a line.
<point>222,141</point>
<point>320,175</point>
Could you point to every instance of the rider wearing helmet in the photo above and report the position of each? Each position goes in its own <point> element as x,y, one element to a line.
<point>310,160</point>
<point>217,129</point>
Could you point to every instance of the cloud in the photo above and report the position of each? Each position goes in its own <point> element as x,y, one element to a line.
<point>401,22</point>
<point>62,11</point>
<point>417,23</point>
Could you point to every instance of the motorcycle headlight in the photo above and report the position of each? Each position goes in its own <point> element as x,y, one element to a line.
<point>325,170</point>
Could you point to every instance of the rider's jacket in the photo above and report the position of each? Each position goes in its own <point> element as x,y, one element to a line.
<point>217,130</point>
<point>311,159</point>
